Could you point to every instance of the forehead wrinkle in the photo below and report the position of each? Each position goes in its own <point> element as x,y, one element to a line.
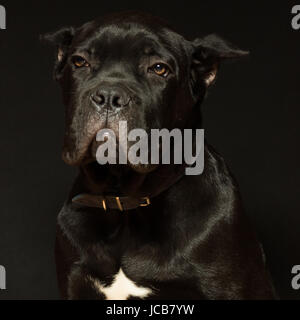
<point>133,40</point>
<point>121,31</point>
<point>150,43</point>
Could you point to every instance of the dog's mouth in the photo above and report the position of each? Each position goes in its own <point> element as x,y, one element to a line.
<point>80,141</point>
<point>105,147</point>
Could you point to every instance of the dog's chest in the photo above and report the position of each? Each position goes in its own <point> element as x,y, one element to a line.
<point>134,265</point>
<point>121,288</point>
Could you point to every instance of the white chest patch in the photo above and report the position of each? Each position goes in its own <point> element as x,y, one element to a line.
<point>121,288</point>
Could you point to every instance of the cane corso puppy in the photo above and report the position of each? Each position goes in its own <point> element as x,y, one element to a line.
<point>136,231</point>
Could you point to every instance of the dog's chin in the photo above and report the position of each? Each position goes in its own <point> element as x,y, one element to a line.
<point>90,156</point>
<point>143,168</point>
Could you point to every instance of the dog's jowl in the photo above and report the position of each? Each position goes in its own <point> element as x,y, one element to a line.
<point>147,231</point>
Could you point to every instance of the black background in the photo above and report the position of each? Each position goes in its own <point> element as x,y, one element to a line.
<point>251,117</point>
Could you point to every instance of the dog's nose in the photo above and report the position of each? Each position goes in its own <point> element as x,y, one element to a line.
<point>115,98</point>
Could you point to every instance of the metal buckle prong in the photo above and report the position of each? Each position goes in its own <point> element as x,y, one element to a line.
<point>104,204</point>
<point>119,203</point>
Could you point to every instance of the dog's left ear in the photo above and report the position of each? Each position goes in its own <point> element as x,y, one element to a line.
<point>209,52</point>
<point>62,40</point>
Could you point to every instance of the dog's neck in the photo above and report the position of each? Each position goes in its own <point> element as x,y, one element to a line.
<point>123,181</point>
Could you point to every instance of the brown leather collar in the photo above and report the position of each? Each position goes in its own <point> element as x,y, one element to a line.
<point>110,202</point>
<point>124,203</point>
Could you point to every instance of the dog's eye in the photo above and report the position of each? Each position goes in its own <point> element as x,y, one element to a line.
<point>160,69</point>
<point>79,62</point>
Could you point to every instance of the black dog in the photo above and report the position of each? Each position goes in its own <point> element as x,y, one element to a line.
<point>147,231</point>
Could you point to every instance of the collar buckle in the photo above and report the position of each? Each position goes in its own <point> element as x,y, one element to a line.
<point>146,203</point>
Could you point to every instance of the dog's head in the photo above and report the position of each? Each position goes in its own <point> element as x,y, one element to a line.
<point>131,67</point>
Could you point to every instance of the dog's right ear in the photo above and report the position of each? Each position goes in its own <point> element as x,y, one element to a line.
<point>209,52</point>
<point>62,40</point>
